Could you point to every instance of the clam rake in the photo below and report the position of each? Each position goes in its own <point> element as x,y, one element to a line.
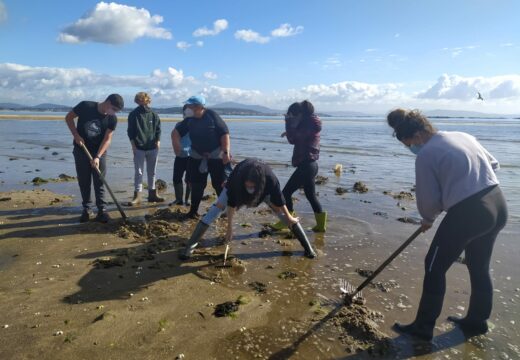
<point>353,294</point>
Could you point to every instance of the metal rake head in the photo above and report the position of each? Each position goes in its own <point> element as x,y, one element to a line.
<point>350,292</point>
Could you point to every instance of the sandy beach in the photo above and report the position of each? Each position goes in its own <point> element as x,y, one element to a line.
<point>117,290</point>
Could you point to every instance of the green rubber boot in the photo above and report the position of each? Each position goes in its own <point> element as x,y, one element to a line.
<point>281,225</point>
<point>321,222</point>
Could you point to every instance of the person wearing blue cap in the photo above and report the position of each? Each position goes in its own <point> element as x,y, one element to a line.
<point>210,149</point>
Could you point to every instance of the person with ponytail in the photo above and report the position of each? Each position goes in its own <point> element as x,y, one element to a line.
<point>302,129</point>
<point>250,183</point>
<point>454,173</point>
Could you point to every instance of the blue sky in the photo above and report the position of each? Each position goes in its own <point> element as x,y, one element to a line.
<point>342,55</point>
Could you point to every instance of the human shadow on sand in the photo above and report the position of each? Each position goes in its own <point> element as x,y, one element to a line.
<point>117,273</point>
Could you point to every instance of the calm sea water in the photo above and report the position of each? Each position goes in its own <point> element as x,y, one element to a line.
<point>364,147</point>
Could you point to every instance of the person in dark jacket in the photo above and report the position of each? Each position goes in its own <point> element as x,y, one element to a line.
<point>144,132</point>
<point>210,149</point>
<point>250,183</point>
<point>302,128</point>
<point>456,174</point>
<point>182,149</point>
<point>94,129</point>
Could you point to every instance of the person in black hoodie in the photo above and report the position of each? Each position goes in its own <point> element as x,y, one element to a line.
<point>302,128</point>
<point>144,132</point>
<point>250,183</point>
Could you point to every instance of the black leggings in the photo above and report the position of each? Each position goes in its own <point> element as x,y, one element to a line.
<point>471,225</point>
<point>180,166</point>
<point>304,175</point>
<point>200,180</point>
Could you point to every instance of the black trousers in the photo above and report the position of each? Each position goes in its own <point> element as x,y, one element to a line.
<point>199,181</point>
<point>180,167</point>
<point>86,175</point>
<point>304,175</point>
<point>471,226</point>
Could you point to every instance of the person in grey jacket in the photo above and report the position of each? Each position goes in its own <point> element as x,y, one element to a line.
<point>456,174</point>
<point>144,132</point>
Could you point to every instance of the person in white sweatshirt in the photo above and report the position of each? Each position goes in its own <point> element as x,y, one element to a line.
<point>456,174</point>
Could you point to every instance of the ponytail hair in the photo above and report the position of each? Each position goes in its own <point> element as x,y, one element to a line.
<point>406,123</point>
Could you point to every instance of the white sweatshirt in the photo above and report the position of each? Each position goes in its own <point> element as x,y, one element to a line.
<point>449,168</point>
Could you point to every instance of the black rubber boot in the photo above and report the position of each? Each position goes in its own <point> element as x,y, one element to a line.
<point>197,234</point>
<point>304,241</point>
<point>479,310</point>
<point>429,310</point>
<point>153,197</point>
<point>188,193</point>
<point>136,200</point>
<point>178,193</point>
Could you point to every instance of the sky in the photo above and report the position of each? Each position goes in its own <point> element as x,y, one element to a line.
<point>348,55</point>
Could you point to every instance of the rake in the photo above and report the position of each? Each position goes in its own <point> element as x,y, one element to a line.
<point>353,294</point>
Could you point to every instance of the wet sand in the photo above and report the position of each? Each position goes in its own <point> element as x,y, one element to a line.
<point>70,290</point>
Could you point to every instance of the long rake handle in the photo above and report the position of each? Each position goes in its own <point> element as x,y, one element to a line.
<point>123,215</point>
<point>387,261</point>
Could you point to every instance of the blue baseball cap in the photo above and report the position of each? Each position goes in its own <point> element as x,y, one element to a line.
<point>196,100</point>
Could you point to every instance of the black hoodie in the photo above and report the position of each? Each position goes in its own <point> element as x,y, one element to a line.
<point>144,128</point>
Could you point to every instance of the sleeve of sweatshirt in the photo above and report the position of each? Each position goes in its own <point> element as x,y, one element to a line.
<point>157,128</point>
<point>495,165</point>
<point>290,132</point>
<point>131,126</point>
<point>427,189</point>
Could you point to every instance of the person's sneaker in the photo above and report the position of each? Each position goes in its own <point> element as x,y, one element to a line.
<point>85,216</point>
<point>103,217</point>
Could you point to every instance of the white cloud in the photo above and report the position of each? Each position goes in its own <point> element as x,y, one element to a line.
<point>199,43</point>
<point>113,23</point>
<point>454,87</point>
<point>3,12</point>
<point>396,35</point>
<point>31,85</point>
<point>183,45</point>
<point>251,36</point>
<point>218,26</point>
<point>210,75</point>
<point>506,44</point>
<point>370,50</point>
<point>217,94</point>
<point>27,84</point>
<point>456,51</point>
<point>350,91</point>
<point>286,30</point>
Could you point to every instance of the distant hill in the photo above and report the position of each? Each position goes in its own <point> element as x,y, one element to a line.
<point>349,113</point>
<point>10,106</point>
<point>254,108</point>
<point>463,114</point>
<point>50,107</point>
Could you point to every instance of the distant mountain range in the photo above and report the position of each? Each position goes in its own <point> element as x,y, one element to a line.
<point>234,108</point>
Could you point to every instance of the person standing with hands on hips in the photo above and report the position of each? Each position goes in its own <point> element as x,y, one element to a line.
<point>94,129</point>
<point>210,149</point>
<point>456,174</point>
<point>144,132</point>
